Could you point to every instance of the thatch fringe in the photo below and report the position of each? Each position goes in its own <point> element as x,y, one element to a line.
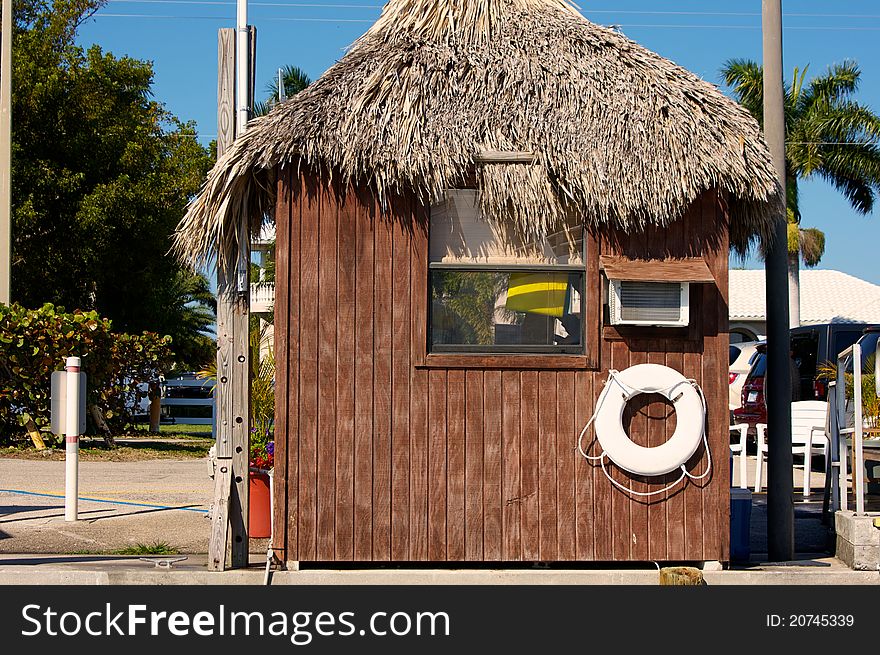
<point>622,136</point>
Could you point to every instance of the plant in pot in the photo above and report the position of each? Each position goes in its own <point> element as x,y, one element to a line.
<point>262,451</point>
<point>260,463</point>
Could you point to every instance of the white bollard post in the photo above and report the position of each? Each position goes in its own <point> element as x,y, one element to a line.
<point>71,433</point>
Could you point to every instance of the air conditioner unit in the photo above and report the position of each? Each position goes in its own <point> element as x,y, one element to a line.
<point>648,303</point>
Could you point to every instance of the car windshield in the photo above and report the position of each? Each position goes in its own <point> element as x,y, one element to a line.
<point>759,368</point>
<point>868,344</point>
<point>734,353</point>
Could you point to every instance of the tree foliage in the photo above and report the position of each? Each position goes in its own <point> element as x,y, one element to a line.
<point>293,79</point>
<point>102,173</point>
<point>828,135</point>
<point>34,343</point>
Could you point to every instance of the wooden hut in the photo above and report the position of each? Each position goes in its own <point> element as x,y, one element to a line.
<point>463,203</point>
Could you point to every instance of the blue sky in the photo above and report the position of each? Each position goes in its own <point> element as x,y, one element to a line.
<point>180,38</point>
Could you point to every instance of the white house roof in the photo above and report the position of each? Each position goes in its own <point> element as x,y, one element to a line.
<point>826,297</point>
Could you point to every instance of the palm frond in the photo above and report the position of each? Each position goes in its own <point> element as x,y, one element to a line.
<point>746,79</point>
<point>811,245</point>
<point>854,170</point>
<point>294,80</point>
<point>840,81</point>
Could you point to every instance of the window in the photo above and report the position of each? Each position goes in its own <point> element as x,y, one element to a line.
<point>491,292</point>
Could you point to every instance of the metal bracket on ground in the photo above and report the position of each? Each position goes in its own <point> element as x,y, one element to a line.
<point>164,563</point>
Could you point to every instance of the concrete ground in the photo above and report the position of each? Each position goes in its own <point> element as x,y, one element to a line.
<point>128,503</point>
<point>122,504</point>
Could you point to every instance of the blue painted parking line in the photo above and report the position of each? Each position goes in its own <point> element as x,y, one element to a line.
<point>104,500</point>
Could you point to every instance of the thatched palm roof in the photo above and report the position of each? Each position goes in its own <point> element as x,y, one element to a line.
<point>620,135</point>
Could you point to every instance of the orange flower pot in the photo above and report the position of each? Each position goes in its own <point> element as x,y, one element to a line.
<point>259,514</point>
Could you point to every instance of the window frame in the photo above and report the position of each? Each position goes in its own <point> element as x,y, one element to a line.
<point>507,349</point>
<point>586,359</point>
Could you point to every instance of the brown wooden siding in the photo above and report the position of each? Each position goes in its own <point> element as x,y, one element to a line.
<point>384,454</point>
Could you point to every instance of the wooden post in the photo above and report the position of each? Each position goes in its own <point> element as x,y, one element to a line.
<point>681,575</point>
<point>155,396</point>
<point>220,516</point>
<point>33,432</point>
<point>232,393</point>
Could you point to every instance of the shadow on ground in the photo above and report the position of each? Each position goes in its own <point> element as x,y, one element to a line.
<point>811,537</point>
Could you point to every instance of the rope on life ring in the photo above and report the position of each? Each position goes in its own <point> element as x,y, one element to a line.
<point>690,408</point>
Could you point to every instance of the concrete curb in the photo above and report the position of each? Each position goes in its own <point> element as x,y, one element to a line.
<point>128,572</point>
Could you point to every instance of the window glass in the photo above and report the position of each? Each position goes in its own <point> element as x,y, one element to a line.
<point>493,291</point>
<point>506,311</point>
<point>459,235</point>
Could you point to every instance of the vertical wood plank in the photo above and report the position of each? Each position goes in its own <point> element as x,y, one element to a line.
<point>566,459</point>
<point>693,495</point>
<point>601,488</point>
<point>511,394</point>
<point>400,388</point>
<point>473,484</point>
<point>327,324</point>
<point>621,520</point>
<point>548,516</point>
<point>638,506</point>
<point>719,440</point>
<point>282,364</point>
<point>346,366</point>
<point>716,504</point>
<point>675,537</point>
<point>437,465</point>
<point>593,495</point>
<point>308,411</point>
<point>292,357</point>
<point>418,502</point>
<point>382,289</point>
<point>363,390</point>
<point>658,428</point>
<point>593,302</point>
<point>455,471</point>
<point>529,456</point>
<point>493,503</point>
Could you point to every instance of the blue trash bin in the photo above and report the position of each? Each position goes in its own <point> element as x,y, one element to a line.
<point>740,520</point>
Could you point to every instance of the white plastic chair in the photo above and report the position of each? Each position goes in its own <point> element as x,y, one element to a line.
<point>739,446</point>
<point>808,437</point>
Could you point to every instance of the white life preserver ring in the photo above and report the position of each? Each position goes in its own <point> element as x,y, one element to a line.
<point>690,423</point>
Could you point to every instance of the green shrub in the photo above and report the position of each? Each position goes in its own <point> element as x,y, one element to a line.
<point>34,343</point>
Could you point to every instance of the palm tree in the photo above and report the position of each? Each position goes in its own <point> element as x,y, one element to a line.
<point>294,80</point>
<point>829,135</point>
<point>190,313</point>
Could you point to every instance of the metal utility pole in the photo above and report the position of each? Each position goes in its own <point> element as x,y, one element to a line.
<point>282,94</point>
<point>242,69</point>
<point>780,507</point>
<point>6,153</point>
